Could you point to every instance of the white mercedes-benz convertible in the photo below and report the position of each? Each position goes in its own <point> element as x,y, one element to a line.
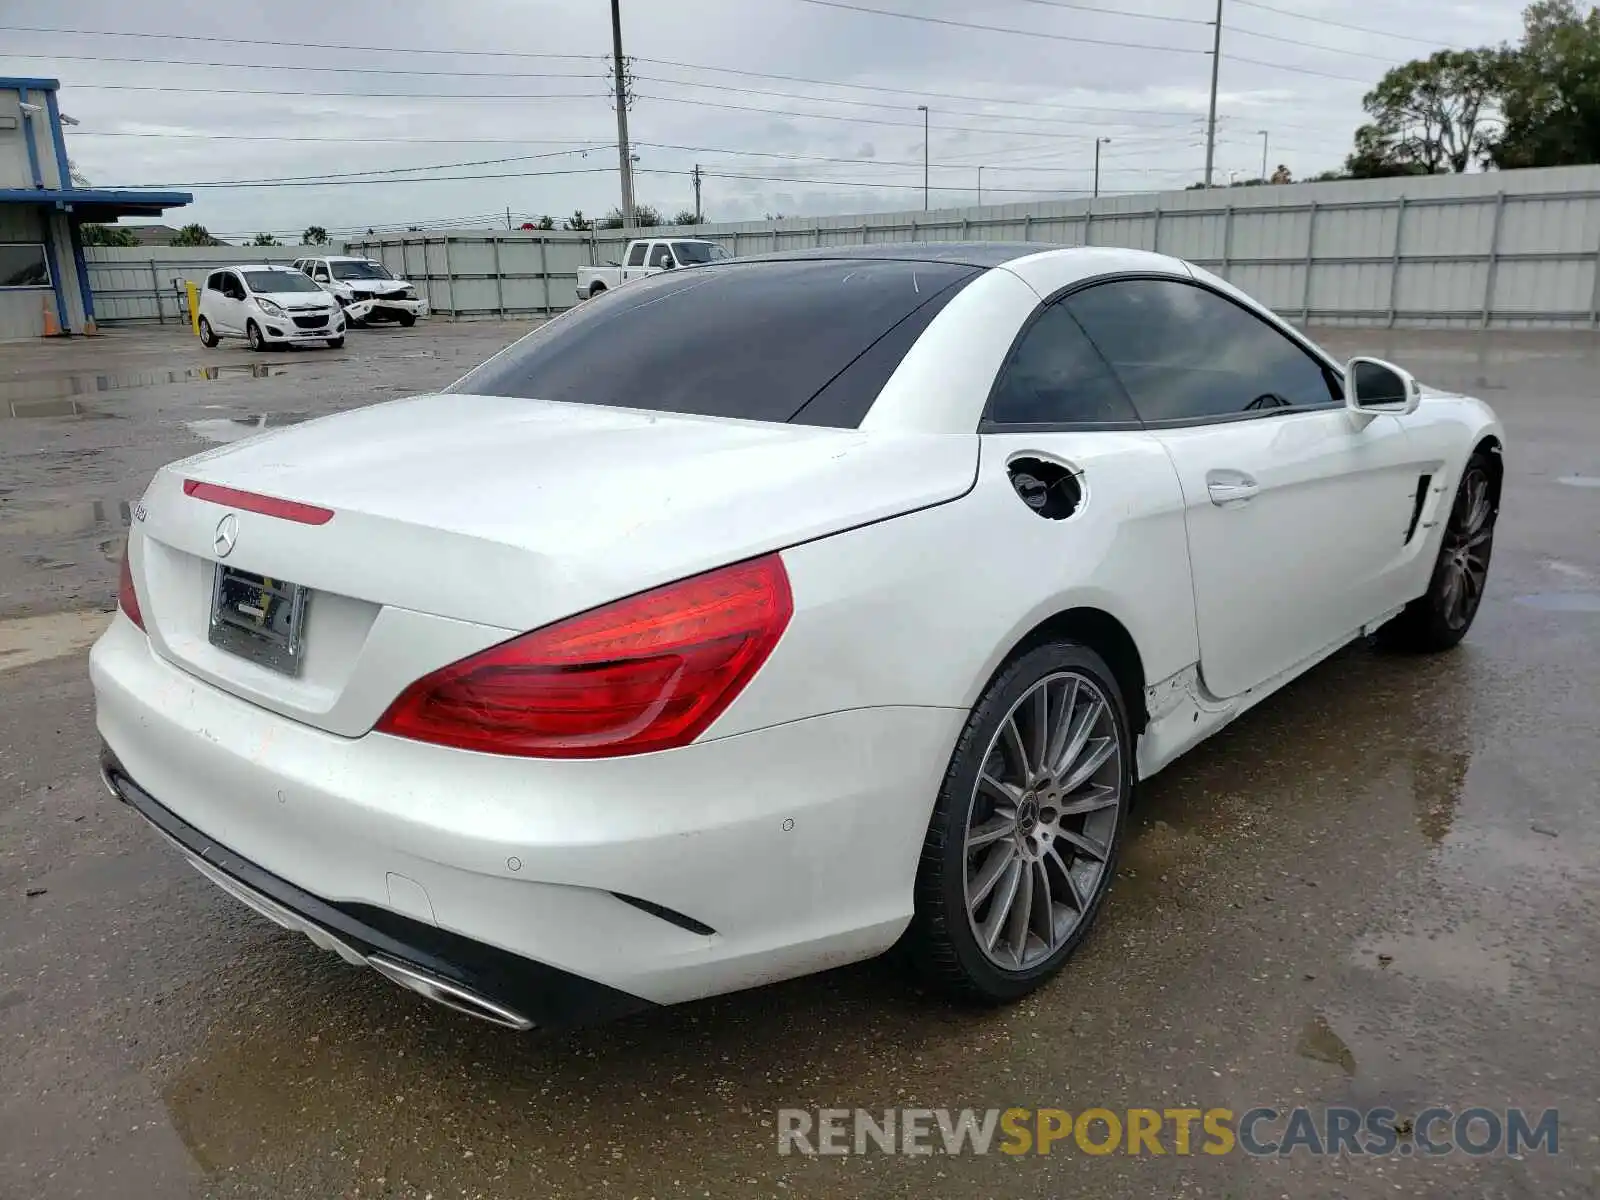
<point>755,619</point>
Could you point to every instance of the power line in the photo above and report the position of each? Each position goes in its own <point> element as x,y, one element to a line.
<point>780,112</point>
<point>1297,70</point>
<point>209,91</point>
<point>233,41</point>
<point>1031,33</point>
<point>295,183</point>
<point>919,94</point>
<point>1115,12</point>
<point>326,177</point>
<point>238,66</point>
<point>1389,33</point>
<point>954,112</point>
<point>258,137</point>
<point>1301,42</point>
<point>662,62</point>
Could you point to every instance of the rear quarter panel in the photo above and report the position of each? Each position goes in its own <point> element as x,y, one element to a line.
<point>923,609</point>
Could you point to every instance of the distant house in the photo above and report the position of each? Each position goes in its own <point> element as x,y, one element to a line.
<point>150,235</point>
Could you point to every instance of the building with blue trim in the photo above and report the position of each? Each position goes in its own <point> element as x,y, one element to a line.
<point>44,283</point>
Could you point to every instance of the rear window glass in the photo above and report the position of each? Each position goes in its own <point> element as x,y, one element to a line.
<point>751,340</point>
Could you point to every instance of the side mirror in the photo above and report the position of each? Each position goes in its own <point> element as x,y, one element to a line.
<point>1373,386</point>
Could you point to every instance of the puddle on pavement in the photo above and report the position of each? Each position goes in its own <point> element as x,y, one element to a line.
<point>56,395</point>
<point>231,429</point>
<point>28,640</point>
<point>33,519</point>
<point>1320,1043</point>
<point>1448,956</point>
<point>1563,602</point>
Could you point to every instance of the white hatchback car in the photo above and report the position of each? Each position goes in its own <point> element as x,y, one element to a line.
<point>267,306</point>
<point>748,620</point>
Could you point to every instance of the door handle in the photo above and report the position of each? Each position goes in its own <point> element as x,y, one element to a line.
<point>1228,487</point>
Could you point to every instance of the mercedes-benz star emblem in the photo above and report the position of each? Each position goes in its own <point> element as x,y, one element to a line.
<point>227,535</point>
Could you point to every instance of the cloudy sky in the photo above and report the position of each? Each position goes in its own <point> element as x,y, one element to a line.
<point>792,106</point>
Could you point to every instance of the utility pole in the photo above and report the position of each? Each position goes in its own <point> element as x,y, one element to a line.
<point>923,109</point>
<point>1263,134</point>
<point>1211,120</point>
<point>1098,142</point>
<point>624,160</point>
<point>980,187</point>
<point>696,177</point>
<point>508,216</point>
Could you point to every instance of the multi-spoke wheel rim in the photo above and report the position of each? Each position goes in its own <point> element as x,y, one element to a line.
<point>1468,539</point>
<point>1042,820</point>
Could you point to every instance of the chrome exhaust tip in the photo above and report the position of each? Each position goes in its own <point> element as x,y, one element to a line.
<point>451,995</point>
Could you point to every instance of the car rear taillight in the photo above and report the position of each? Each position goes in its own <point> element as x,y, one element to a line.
<point>647,673</point>
<point>127,598</point>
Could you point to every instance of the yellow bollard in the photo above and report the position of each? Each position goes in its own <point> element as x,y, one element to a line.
<point>194,306</point>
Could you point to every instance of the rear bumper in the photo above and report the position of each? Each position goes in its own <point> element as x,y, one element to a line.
<point>467,975</point>
<point>664,877</point>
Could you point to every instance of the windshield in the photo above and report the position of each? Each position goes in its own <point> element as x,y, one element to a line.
<point>690,253</point>
<point>360,270</point>
<point>278,281</point>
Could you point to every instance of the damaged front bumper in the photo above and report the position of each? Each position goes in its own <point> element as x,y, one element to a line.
<point>381,307</point>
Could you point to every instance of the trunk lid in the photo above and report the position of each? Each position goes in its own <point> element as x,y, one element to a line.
<point>460,519</point>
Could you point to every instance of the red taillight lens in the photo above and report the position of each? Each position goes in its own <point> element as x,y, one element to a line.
<point>127,598</point>
<point>647,673</point>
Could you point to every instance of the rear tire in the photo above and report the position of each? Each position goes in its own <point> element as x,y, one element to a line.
<point>208,337</point>
<point>596,289</point>
<point>253,333</point>
<point>1441,616</point>
<point>1045,808</point>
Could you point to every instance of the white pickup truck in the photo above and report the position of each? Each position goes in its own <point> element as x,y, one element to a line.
<point>646,256</point>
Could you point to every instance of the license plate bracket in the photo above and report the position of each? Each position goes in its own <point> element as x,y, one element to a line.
<point>259,618</point>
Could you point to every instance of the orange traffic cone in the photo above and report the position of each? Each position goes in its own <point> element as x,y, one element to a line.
<point>52,327</point>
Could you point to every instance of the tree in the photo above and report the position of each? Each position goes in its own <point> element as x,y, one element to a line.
<point>545,222</point>
<point>687,217</point>
<point>315,235</point>
<point>1436,113</point>
<point>577,222</point>
<point>265,239</point>
<point>194,235</point>
<point>1552,94</point>
<point>644,217</point>
<point>1374,157</point>
<point>107,235</point>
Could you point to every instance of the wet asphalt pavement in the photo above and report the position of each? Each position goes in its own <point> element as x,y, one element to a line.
<point>1380,888</point>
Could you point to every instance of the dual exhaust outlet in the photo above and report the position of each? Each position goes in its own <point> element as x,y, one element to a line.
<point>417,979</point>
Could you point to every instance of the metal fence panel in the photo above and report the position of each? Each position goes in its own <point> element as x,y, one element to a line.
<point>1519,248</point>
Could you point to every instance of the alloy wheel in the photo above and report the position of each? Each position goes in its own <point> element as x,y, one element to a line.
<point>1465,558</point>
<point>1042,820</point>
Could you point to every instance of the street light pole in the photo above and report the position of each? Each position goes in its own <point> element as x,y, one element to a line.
<point>1098,142</point>
<point>1263,134</point>
<point>1211,120</point>
<point>980,187</point>
<point>923,109</point>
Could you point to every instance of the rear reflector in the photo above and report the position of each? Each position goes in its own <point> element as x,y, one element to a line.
<point>127,598</point>
<point>651,672</point>
<point>269,506</point>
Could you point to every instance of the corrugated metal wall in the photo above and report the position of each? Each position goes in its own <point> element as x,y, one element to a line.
<point>1511,248</point>
<point>145,283</point>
